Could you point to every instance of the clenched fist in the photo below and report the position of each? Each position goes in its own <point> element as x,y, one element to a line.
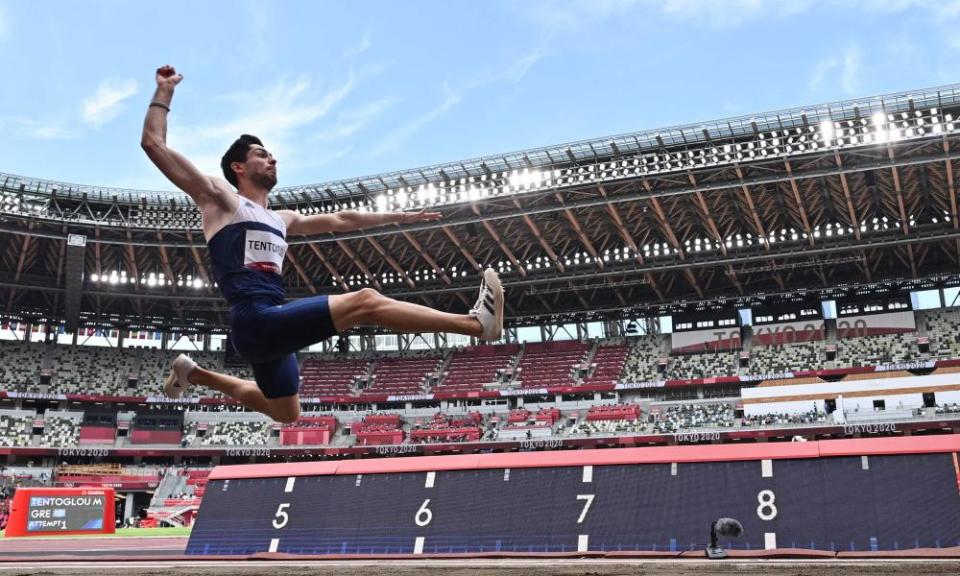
<point>167,76</point>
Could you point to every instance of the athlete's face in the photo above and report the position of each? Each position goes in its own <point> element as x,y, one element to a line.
<point>261,167</point>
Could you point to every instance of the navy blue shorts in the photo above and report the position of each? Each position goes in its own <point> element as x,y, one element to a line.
<point>268,335</point>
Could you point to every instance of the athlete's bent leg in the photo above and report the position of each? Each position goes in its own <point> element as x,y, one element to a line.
<point>245,392</point>
<point>185,373</point>
<point>285,409</point>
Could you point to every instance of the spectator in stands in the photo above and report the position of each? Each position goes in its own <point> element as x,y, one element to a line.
<point>247,245</point>
<point>812,417</point>
<point>695,416</point>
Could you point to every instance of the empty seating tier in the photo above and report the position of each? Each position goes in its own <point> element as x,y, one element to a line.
<point>549,364</point>
<point>475,366</point>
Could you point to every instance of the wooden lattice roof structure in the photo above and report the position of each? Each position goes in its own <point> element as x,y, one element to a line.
<point>812,199</point>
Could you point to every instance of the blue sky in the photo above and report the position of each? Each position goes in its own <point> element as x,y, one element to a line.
<point>347,89</point>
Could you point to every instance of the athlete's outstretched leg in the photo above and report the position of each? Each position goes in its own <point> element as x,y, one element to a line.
<point>367,306</point>
<point>185,373</point>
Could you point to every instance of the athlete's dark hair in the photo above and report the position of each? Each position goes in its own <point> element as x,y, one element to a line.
<point>237,153</point>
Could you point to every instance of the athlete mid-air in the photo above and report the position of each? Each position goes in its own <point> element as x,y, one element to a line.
<point>247,244</point>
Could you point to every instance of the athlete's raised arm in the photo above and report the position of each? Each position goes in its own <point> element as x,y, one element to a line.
<point>202,188</point>
<point>349,220</point>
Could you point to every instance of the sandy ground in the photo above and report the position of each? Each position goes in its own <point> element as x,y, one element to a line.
<point>158,548</point>
<point>565,567</point>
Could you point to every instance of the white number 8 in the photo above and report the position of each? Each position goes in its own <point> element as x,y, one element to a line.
<point>767,510</point>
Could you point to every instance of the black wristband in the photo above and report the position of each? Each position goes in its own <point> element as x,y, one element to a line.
<point>159,105</point>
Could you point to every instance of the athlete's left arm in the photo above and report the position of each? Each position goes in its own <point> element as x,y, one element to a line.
<point>349,220</point>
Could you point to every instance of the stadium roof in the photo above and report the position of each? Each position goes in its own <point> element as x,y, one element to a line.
<point>687,136</point>
<point>848,193</point>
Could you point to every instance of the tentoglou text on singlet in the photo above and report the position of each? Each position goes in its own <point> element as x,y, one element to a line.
<point>247,254</point>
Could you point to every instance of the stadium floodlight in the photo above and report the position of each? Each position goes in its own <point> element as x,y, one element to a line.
<point>827,132</point>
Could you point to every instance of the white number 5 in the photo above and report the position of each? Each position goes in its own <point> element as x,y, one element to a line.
<point>281,517</point>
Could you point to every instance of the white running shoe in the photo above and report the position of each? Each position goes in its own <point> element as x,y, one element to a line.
<point>177,383</point>
<point>489,307</point>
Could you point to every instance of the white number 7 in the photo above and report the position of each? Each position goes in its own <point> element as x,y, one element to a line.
<point>586,507</point>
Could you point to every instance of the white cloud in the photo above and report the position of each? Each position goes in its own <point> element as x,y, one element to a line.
<point>556,16</point>
<point>259,24</point>
<point>107,102</point>
<point>843,69</point>
<point>362,46</point>
<point>394,139</point>
<point>37,130</point>
<point>511,73</point>
<point>564,16</point>
<point>518,69</point>
<point>940,8</point>
<point>324,157</point>
<point>729,13</point>
<point>276,113</point>
<point>572,16</point>
<point>948,9</point>
<point>351,122</point>
<point>821,70</point>
<point>900,45</point>
<point>887,5</point>
<point>850,73</point>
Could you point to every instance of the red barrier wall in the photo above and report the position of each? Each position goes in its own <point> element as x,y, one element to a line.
<point>471,434</point>
<point>155,436</point>
<point>97,435</point>
<point>379,437</point>
<point>125,482</point>
<point>602,457</point>
<point>296,436</point>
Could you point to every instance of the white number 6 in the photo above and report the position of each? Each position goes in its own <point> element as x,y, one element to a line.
<point>424,515</point>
